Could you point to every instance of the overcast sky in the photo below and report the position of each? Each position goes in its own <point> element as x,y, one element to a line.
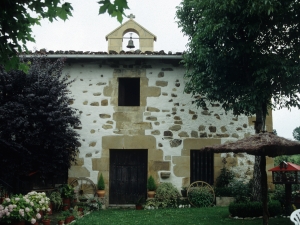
<point>86,31</point>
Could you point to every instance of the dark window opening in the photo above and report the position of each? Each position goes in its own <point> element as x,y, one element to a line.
<point>202,166</point>
<point>129,92</point>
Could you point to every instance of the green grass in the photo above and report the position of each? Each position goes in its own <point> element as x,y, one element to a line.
<point>195,216</point>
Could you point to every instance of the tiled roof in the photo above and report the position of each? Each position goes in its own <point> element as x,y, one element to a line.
<point>72,52</point>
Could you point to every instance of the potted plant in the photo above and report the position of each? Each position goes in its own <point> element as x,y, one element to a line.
<point>46,220</point>
<point>68,216</point>
<point>60,219</point>
<point>17,210</point>
<point>184,191</point>
<point>139,203</point>
<point>67,193</point>
<point>151,187</point>
<point>101,187</point>
<point>40,202</point>
<point>56,200</point>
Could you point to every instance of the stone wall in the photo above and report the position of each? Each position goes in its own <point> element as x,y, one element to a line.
<point>167,123</point>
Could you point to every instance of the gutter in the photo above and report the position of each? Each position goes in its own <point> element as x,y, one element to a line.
<point>108,56</point>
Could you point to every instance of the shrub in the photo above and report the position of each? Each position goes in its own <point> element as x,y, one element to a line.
<point>279,193</point>
<point>201,197</point>
<point>275,208</point>
<point>224,178</point>
<point>240,190</point>
<point>253,209</point>
<point>223,192</point>
<point>101,184</point>
<point>151,184</point>
<point>166,195</point>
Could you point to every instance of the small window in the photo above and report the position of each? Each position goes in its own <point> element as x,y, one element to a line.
<point>129,92</point>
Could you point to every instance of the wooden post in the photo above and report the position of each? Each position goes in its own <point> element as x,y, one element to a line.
<point>264,189</point>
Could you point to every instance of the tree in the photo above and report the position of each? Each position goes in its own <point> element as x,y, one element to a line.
<point>36,121</point>
<point>16,22</point>
<point>296,133</point>
<point>243,54</point>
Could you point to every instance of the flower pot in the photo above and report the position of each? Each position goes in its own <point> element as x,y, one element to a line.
<point>68,219</point>
<point>66,201</point>
<point>51,208</point>
<point>101,193</point>
<point>138,207</point>
<point>151,194</point>
<point>46,222</point>
<point>65,207</point>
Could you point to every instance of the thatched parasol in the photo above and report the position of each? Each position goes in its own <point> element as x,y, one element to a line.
<point>263,144</point>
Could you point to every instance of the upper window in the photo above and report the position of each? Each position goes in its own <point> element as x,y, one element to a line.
<point>129,92</point>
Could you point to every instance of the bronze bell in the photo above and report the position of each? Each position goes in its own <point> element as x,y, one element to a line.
<point>130,43</point>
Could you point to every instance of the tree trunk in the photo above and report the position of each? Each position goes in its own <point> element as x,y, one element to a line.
<point>259,127</point>
<point>256,187</point>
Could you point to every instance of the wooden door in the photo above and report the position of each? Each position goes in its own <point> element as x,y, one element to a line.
<point>127,175</point>
<point>202,166</point>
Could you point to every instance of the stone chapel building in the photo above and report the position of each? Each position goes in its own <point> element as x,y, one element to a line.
<point>137,121</point>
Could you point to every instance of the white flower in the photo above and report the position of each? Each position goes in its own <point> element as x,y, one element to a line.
<point>27,209</point>
<point>15,206</point>
<point>7,213</point>
<point>38,216</point>
<point>37,209</point>
<point>27,200</point>
<point>7,199</point>
<point>17,199</point>
<point>1,207</point>
<point>33,221</point>
<point>31,203</point>
<point>43,209</point>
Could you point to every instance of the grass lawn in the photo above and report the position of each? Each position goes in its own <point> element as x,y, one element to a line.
<point>203,216</point>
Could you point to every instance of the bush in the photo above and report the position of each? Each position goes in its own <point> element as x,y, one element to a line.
<point>223,192</point>
<point>201,197</point>
<point>224,178</point>
<point>279,193</point>
<point>167,195</point>
<point>253,209</point>
<point>275,208</point>
<point>240,190</point>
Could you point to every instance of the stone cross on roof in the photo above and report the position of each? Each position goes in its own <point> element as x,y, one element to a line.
<point>131,16</point>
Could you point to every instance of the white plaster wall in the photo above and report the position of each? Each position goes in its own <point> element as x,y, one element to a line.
<point>87,76</point>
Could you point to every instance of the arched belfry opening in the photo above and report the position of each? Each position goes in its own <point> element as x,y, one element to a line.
<point>131,38</point>
<point>122,34</point>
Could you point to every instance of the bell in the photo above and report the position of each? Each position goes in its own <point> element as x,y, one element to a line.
<point>130,43</point>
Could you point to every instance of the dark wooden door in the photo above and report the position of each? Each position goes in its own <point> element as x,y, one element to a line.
<point>127,176</point>
<point>202,166</point>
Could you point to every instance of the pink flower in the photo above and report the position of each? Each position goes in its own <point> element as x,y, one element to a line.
<point>33,221</point>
